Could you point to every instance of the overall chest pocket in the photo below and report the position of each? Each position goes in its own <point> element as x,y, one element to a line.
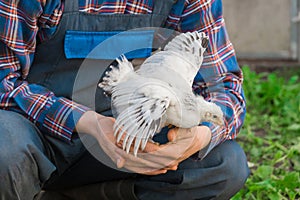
<point>108,44</point>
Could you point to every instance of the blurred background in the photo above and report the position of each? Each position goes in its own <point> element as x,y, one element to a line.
<point>266,37</point>
<point>267,30</point>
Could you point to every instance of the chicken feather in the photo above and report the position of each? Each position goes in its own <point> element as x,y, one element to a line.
<point>160,92</point>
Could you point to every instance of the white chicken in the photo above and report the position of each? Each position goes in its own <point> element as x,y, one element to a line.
<point>160,92</point>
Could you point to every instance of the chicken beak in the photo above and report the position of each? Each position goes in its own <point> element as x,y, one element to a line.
<point>220,122</point>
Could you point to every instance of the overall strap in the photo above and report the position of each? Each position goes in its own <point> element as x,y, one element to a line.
<point>162,7</point>
<point>71,5</point>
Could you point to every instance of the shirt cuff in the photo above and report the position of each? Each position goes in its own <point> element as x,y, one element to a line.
<point>217,137</point>
<point>62,117</point>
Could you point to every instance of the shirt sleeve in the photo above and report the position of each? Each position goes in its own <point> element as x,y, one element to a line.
<point>219,79</point>
<point>19,25</point>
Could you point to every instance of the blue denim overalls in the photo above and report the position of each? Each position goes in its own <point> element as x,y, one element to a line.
<point>53,70</point>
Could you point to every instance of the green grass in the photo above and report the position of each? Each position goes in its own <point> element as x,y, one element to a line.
<point>271,135</point>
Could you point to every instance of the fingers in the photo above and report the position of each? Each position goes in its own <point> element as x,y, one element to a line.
<point>172,134</point>
<point>120,162</point>
<point>144,163</point>
<point>150,147</point>
<point>163,171</point>
<point>155,159</point>
<point>157,172</point>
<point>174,167</point>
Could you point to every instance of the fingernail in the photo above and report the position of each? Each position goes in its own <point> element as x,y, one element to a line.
<point>120,164</point>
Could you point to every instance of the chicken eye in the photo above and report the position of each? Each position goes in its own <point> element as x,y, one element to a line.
<point>215,116</point>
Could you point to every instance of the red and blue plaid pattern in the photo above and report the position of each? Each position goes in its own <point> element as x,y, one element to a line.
<point>24,23</point>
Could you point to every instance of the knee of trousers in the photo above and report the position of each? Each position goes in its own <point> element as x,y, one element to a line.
<point>221,174</point>
<point>226,163</point>
<point>235,168</point>
<point>24,164</point>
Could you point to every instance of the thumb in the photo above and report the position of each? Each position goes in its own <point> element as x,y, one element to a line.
<point>120,162</point>
<point>172,134</point>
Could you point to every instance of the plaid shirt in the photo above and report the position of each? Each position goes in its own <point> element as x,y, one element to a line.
<point>25,22</point>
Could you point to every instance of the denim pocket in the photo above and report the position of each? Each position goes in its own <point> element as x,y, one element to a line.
<point>108,45</point>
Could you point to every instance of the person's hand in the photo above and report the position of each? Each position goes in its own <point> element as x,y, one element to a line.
<point>154,159</point>
<point>192,139</point>
<point>101,128</point>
